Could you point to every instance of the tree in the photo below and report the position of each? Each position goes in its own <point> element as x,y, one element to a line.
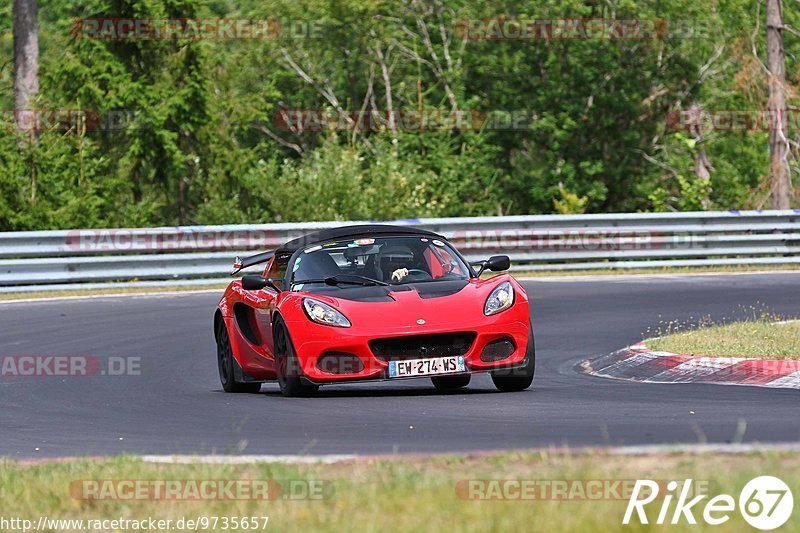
<point>26,75</point>
<point>550,124</point>
<point>778,135</point>
<point>26,54</point>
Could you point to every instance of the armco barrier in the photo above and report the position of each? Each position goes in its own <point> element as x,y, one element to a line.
<point>38,260</point>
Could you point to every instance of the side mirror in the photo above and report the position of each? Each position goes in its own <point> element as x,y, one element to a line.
<point>256,283</point>
<point>496,263</point>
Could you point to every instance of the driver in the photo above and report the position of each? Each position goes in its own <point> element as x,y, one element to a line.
<point>395,262</point>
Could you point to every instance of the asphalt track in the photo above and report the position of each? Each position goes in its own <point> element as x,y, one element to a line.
<point>176,404</point>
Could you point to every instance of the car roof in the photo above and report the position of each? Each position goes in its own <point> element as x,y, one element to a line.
<point>359,230</point>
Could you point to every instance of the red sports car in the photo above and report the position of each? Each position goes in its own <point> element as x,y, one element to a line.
<point>372,302</point>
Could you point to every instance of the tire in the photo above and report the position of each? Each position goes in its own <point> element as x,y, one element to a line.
<point>518,379</point>
<point>226,362</point>
<point>450,383</point>
<point>287,366</point>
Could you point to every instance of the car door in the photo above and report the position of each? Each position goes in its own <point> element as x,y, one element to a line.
<point>264,305</point>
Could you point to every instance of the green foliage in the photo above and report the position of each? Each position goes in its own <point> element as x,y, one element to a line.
<point>205,144</point>
<point>569,203</point>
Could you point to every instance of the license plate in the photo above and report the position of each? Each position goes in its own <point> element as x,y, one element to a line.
<point>427,367</point>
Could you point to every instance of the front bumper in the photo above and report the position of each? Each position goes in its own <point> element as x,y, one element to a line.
<point>312,341</point>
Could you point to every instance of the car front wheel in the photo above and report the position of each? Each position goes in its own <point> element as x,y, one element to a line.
<point>518,379</point>
<point>287,366</point>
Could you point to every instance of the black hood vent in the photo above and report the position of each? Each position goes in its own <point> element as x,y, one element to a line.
<point>380,293</point>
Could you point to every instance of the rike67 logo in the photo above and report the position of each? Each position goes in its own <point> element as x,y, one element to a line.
<point>766,503</point>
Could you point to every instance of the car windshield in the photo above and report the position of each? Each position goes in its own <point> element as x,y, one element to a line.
<point>378,261</point>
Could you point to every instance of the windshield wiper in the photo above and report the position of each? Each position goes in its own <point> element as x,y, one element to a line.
<point>343,279</point>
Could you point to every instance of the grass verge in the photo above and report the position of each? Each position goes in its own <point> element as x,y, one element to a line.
<point>762,337</point>
<point>403,494</point>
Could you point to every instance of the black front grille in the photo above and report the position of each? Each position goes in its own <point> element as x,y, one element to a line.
<point>422,346</point>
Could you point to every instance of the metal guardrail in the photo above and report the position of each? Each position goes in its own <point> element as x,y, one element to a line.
<point>41,260</point>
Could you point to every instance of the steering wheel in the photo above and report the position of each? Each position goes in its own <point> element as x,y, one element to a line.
<point>417,274</point>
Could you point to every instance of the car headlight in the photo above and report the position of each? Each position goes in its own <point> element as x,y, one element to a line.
<point>502,298</point>
<point>324,314</point>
